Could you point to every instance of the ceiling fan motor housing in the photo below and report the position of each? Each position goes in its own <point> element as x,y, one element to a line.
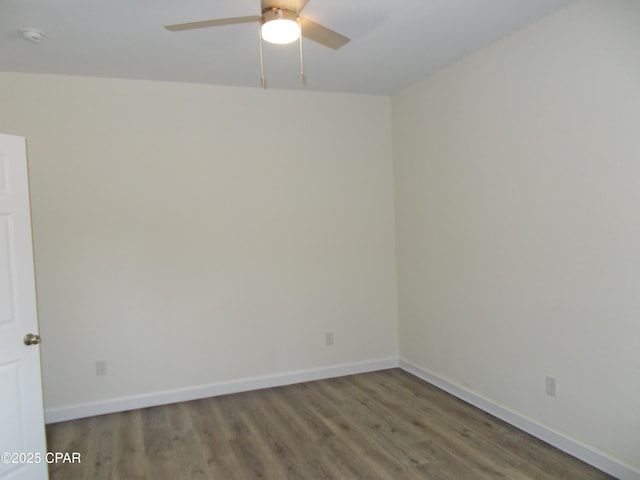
<point>277,13</point>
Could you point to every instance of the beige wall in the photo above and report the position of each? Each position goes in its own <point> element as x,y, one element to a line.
<point>190,235</point>
<point>518,223</point>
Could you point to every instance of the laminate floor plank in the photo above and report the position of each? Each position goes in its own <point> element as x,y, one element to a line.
<point>387,437</point>
<point>272,446</point>
<point>287,424</point>
<point>129,454</point>
<point>372,462</point>
<point>185,443</point>
<point>251,454</point>
<point>403,427</point>
<point>287,442</point>
<point>374,426</point>
<point>162,463</point>
<point>67,437</point>
<point>323,447</point>
<point>101,448</point>
<point>214,437</point>
<point>469,445</point>
<point>398,435</point>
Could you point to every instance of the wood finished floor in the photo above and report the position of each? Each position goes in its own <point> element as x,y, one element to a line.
<point>380,425</point>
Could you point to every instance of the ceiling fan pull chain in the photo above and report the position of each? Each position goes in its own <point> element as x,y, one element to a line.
<point>263,81</point>
<point>303,80</point>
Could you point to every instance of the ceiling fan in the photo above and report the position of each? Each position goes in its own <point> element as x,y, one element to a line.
<point>280,23</point>
<point>276,15</point>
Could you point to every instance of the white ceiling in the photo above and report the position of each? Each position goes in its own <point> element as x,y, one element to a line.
<point>394,43</point>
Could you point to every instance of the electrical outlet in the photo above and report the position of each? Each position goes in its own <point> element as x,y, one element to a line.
<point>101,367</point>
<point>328,338</point>
<point>550,385</point>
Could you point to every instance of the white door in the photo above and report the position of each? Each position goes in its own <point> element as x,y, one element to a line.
<point>22,437</point>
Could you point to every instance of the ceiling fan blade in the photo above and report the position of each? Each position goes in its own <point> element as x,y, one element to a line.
<point>213,23</point>
<point>295,5</point>
<point>322,35</point>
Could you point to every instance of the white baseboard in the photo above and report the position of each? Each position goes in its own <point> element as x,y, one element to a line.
<point>587,454</point>
<point>121,404</point>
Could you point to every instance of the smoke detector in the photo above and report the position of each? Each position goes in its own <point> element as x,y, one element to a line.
<point>31,34</point>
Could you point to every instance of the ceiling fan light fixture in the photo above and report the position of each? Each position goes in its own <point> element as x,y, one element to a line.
<point>280,26</point>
